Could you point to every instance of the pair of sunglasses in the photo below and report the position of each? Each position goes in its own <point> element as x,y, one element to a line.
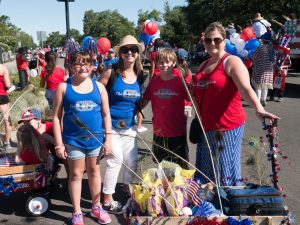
<point>216,40</point>
<point>132,49</point>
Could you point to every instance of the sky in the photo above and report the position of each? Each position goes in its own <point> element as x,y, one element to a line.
<point>49,15</point>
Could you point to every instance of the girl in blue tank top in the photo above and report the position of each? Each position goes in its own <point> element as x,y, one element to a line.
<point>85,134</point>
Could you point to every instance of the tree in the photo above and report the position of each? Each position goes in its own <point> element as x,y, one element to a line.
<point>176,29</point>
<point>201,13</point>
<point>109,24</point>
<point>55,39</point>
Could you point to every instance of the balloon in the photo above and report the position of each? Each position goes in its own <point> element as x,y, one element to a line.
<point>151,28</point>
<point>239,44</point>
<point>252,44</point>
<point>103,45</point>
<point>244,53</point>
<point>230,49</point>
<point>250,53</point>
<point>145,38</point>
<point>234,37</point>
<point>248,63</point>
<point>86,42</point>
<point>33,73</point>
<point>156,35</point>
<point>247,34</point>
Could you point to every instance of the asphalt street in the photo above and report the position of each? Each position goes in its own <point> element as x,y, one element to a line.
<point>12,209</point>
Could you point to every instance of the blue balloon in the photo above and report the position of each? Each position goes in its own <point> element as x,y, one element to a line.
<point>252,44</point>
<point>250,53</point>
<point>86,42</point>
<point>145,38</point>
<point>231,49</point>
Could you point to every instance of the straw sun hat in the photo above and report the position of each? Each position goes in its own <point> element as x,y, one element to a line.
<point>130,40</point>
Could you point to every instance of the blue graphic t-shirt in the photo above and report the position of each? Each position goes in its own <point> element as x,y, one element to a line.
<point>82,121</point>
<point>122,103</point>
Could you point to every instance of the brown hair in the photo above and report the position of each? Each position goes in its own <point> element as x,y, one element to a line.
<point>165,54</point>
<point>137,68</point>
<point>215,26</point>
<point>30,139</point>
<point>50,59</point>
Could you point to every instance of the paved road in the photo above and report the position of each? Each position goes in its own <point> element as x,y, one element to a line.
<point>12,208</point>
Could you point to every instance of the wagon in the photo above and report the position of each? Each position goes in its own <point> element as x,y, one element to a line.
<point>33,180</point>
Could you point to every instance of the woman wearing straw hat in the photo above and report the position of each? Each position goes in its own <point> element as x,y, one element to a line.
<point>123,95</point>
<point>260,25</point>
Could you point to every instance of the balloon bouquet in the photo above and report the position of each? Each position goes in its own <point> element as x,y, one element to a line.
<point>242,45</point>
<point>149,32</point>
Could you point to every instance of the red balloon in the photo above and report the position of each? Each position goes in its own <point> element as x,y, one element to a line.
<point>248,63</point>
<point>151,28</point>
<point>103,45</point>
<point>247,34</point>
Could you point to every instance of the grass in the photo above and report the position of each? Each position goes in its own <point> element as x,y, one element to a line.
<point>25,99</point>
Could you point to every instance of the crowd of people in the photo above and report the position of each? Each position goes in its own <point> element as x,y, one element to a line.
<point>94,115</point>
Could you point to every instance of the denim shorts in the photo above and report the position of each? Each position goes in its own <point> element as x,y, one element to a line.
<point>75,153</point>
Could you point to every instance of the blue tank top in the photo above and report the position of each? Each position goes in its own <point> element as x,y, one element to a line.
<point>122,103</point>
<point>82,109</point>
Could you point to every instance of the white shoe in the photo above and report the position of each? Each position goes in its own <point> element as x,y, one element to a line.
<point>142,129</point>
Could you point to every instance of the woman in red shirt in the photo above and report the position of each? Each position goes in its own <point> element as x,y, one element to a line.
<point>22,65</point>
<point>51,76</point>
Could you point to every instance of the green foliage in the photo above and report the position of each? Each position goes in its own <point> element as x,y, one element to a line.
<point>55,39</point>
<point>145,15</point>
<point>200,13</point>
<point>175,30</point>
<point>109,24</point>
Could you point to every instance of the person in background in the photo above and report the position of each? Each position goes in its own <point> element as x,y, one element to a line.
<point>4,104</point>
<point>158,44</point>
<point>22,66</point>
<point>219,86</point>
<point>168,95</point>
<point>111,58</point>
<point>84,135</point>
<point>123,95</point>
<point>263,60</point>
<point>41,61</point>
<point>183,70</point>
<point>51,76</point>
<point>230,30</point>
<point>260,25</point>
<point>31,149</point>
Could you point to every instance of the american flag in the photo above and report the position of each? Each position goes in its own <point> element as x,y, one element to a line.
<point>192,193</point>
<point>292,28</point>
<point>7,161</point>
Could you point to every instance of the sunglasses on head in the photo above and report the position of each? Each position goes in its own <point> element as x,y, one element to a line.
<point>216,40</point>
<point>132,49</point>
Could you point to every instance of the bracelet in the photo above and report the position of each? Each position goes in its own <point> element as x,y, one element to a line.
<point>58,146</point>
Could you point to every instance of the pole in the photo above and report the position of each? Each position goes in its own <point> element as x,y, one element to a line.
<point>67,19</point>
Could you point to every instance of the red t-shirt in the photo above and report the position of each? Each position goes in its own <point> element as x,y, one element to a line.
<point>49,131</point>
<point>188,79</point>
<point>3,91</point>
<point>54,79</point>
<point>21,63</point>
<point>28,156</point>
<point>167,102</point>
<point>221,105</point>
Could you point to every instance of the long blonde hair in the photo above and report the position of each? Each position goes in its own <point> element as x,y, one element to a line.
<point>30,139</point>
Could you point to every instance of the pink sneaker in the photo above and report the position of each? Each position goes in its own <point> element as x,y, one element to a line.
<point>102,216</point>
<point>77,219</point>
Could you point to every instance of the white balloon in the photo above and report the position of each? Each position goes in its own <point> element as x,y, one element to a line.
<point>244,53</point>
<point>240,45</point>
<point>187,211</point>
<point>156,35</point>
<point>33,73</point>
<point>234,37</point>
